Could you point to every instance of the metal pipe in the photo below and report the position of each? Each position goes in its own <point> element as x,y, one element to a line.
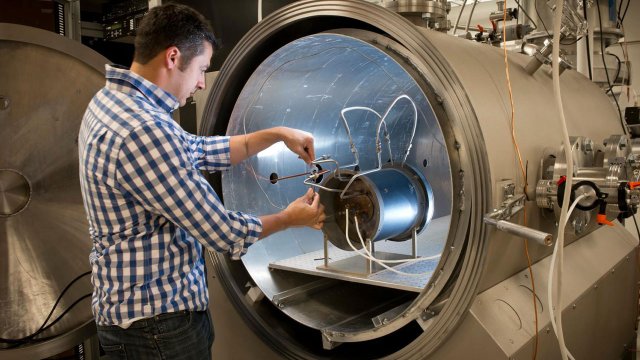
<point>466,29</point>
<point>455,27</point>
<point>538,236</point>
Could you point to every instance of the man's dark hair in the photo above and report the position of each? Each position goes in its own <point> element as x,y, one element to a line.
<point>172,25</point>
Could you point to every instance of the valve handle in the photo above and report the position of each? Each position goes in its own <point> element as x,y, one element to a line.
<point>634,184</point>
<point>602,213</point>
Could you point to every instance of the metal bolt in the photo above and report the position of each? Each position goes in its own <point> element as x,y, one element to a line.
<point>439,99</point>
<point>588,145</point>
<point>574,306</point>
<point>457,145</point>
<point>548,330</point>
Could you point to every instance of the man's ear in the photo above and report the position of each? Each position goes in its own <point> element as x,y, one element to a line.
<point>172,57</point>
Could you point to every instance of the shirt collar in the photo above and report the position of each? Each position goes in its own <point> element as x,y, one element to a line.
<point>126,81</point>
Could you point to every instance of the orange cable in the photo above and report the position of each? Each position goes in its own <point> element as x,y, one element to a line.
<point>524,176</point>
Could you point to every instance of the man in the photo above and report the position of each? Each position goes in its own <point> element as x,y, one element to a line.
<point>150,210</point>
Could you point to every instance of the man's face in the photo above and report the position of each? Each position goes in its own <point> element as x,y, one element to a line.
<point>191,79</point>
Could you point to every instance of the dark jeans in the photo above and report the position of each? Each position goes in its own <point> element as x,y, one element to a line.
<point>177,335</point>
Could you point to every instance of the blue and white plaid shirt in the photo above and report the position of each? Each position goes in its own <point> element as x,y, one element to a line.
<point>149,207</point>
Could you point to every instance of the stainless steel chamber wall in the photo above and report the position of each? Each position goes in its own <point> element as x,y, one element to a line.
<point>332,68</point>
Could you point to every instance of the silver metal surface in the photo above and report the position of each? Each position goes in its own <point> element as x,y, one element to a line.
<point>317,77</point>
<point>311,96</point>
<point>463,83</point>
<point>44,236</point>
<point>348,266</point>
<point>430,13</point>
<point>599,265</point>
<point>537,236</point>
<point>15,192</point>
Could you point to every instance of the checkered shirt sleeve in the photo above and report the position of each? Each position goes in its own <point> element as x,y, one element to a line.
<point>159,166</point>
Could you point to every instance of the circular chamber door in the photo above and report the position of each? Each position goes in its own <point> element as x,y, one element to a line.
<point>47,82</point>
<point>397,264</point>
<point>308,84</point>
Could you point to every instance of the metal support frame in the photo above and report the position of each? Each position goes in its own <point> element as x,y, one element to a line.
<point>371,248</point>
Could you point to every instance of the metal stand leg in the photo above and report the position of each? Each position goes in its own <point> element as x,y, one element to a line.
<point>414,243</point>
<point>326,251</point>
<point>369,262</point>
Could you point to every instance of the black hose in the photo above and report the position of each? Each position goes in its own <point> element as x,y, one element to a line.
<point>44,325</point>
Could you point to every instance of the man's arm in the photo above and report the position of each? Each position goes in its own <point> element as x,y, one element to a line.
<point>304,211</point>
<point>154,170</point>
<point>210,153</point>
<point>161,179</point>
<point>244,146</point>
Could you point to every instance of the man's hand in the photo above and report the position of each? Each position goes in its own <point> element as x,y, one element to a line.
<point>300,142</point>
<point>306,211</point>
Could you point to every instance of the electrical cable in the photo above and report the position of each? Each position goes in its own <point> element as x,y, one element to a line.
<point>381,121</point>
<point>636,223</point>
<point>619,13</point>
<point>44,326</point>
<point>625,12</point>
<point>620,8</point>
<point>606,71</point>
<point>551,270</point>
<point>367,255</point>
<point>513,130</point>
<point>610,89</point>
<point>524,176</point>
<point>527,15</point>
<point>584,12</point>
<point>555,59</point>
<point>58,318</point>
<point>572,41</point>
